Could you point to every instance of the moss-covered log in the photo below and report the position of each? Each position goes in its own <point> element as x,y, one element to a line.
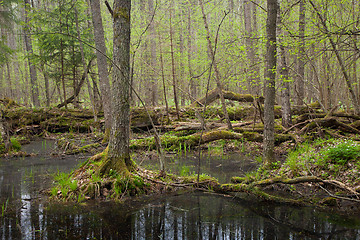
<point>258,193</point>
<point>140,118</point>
<point>214,95</point>
<point>173,142</point>
<point>276,180</point>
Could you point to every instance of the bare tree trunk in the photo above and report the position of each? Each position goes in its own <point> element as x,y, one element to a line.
<point>256,60</point>
<point>101,61</point>
<point>84,65</point>
<point>269,82</point>
<point>11,93</point>
<point>153,78</point>
<point>300,93</point>
<point>217,73</point>
<point>163,79</point>
<point>284,78</point>
<point>181,48</point>
<point>119,152</point>
<point>285,90</point>
<point>249,45</point>
<point>193,84</point>
<point>28,44</point>
<point>173,66</point>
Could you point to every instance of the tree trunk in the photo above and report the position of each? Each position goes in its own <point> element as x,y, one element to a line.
<point>269,82</point>
<point>153,70</point>
<point>101,61</point>
<point>300,93</point>
<point>284,80</point>
<point>217,73</point>
<point>285,91</point>
<point>192,84</point>
<point>118,157</point>
<point>173,68</point>
<point>163,80</point>
<point>84,66</point>
<point>11,93</point>
<point>249,46</point>
<point>28,45</point>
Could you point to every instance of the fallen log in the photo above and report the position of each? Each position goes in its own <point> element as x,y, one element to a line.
<point>191,141</point>
<point>330,122</point>
<point>309,116</point>
<point>214,95</point>
<point>181,126</point>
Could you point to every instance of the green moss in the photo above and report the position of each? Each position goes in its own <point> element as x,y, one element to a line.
<point>238,179</point>
<point>252,136</point>
<point>15,144</point>
<point>121,12</point>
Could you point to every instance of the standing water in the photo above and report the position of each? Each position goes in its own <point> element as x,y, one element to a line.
<point>26,215</point>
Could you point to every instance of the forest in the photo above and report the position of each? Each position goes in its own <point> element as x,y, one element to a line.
<point>125,81</point>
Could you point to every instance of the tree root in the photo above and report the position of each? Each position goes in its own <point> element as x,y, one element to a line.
<point>254,188</point>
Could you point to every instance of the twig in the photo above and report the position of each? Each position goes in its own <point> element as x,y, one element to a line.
<point>109,8</point>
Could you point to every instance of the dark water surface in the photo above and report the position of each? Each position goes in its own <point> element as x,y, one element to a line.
<point>221,167</point>
<point>174,216</point>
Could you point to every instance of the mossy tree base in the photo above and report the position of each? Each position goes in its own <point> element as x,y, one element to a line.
<point>88,181</point>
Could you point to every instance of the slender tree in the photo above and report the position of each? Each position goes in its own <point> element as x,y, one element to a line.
<point>217,73</point>
<point>269,82</point>
<point>300,83</point>
<point>29,48</point>
<point>101,61</point>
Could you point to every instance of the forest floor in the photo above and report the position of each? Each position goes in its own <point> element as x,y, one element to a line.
<point>319,156</point>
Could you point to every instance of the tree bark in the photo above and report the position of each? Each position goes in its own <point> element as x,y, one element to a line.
<point>101,61</point>
<point>269,82</point>
<point>118,157</point>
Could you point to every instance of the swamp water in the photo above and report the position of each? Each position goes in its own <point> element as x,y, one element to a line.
<point>25,215</point>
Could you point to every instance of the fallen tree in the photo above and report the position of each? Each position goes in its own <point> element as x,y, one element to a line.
<point>214,95</point>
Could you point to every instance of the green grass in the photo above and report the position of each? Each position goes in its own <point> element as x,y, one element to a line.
<point>323,156</point>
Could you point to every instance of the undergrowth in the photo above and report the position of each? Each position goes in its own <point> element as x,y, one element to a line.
<point>326,158</point>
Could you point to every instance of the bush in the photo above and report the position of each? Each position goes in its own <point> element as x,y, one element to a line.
<point>343,152</point>
<point>15,145</point>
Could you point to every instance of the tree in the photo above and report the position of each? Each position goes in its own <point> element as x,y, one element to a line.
<point>269,82</point>
<point>118,157</point>
<point>284,76</point>
<point>301,64</point>
<point>28,44</point>
<point>101,61</point>
<point>214,63</point>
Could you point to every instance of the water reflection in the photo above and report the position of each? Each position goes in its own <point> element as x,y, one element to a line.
<point>221,167</point>
<point>176,216</point>
<point>187,216</point>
